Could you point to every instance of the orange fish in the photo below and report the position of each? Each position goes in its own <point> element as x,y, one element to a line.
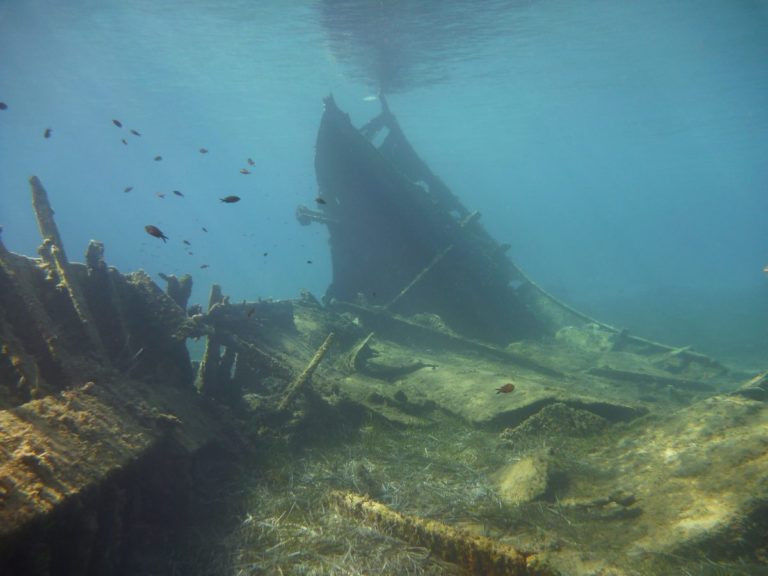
<point>506,389</point>
<point>156,232</point>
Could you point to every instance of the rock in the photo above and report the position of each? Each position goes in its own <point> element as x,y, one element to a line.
<point>524,480</point>
<point>555,420</point>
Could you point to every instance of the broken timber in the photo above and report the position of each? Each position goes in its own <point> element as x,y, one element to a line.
<point>474,554</point>
<point>436,260</point>
<point>305,376</point>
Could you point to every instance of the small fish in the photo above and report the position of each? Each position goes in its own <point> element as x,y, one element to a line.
<point>244,171</point>
<point>205,229</point>
<point>3,106</point>
<point>309,261</point>
<point>320,200</point>
<point>156,232</point>
<point>158,158</point>
<point>117,123</point>
<point>230,199</point>
<point>203,266</point>
<point>187,242</point>
<point>135,132</point>
<point>124,141</point>
<point>160,194</point>
<point>128,189</point>
<point>203,150</point>
<point>506,389</point>
<point>265,254</point>
<point>178,193</point>
<point>251,162</point>
<point>47,133</point>
<point>250,312</point>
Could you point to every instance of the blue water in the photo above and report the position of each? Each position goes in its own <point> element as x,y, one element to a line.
<point>620,147</point>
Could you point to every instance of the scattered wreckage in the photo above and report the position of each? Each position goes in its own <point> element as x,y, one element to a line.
<point>623,450</point>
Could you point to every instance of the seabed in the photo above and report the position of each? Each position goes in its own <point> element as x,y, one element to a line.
<point>363,434</point>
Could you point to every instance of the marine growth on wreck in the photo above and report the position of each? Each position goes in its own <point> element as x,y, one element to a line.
<point>435,412</point>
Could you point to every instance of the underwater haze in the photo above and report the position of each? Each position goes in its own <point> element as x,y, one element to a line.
<point>621,148</point>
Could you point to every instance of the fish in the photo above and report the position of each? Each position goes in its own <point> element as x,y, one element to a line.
<point>244,171</point>
<point>265,254</point>
<point>128,189</point>
<point>309,261</point>
<point>251,162</point>
<point>506,388</point>
<point>203,150</point>
<point>160,194</point>
<point>250,312</point>
<point>230,199</point>
<point>187,242</point>
<point>124,141</point>
<point>47,133</point>
<point>205,229</point>
<point>117,123</point>
<point>156,232</point>
<point>765,269</point>
<point>135,132</point>
<point>158,158</point>
<point>3,106</point>
<point>320,200</point>
<point>203,266</point>
<point>178,193</point>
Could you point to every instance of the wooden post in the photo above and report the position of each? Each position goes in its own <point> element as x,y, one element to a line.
<point>44,214</point>
<point>52,252</point>
<point>208,372</point>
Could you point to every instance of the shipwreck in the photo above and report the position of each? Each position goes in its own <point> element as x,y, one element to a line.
<point>120,454</point>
